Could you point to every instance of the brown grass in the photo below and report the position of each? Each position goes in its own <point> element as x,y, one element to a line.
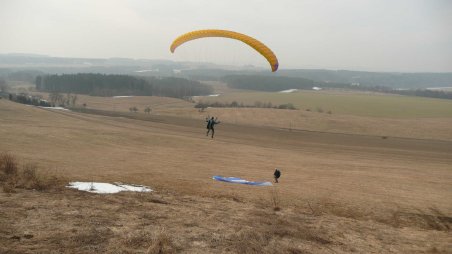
<point>366,194</point>
<point>274,230</point>
<point>161,243</point>
<point>124,104</point>
<point>30,177</point>
<point>138,239</point>
<point>8,166</point>
<point>8,172</point>
<point>274,198</point>
<point>414,127</point>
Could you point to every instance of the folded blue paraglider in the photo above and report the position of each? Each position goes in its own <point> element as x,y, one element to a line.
<point>240,180</point>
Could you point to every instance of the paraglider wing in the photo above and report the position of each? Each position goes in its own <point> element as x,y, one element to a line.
<point>255,44</point>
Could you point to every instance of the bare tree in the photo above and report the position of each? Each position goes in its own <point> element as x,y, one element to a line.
<point>133,109</point>
<point>56,98</point>
<point>147,110</point>
<point>67,101</point>
<point>70,99</point>
<point>73,100</point>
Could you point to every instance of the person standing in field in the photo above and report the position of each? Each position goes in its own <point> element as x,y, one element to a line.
<point>210,125</point>
<point>277,175</point>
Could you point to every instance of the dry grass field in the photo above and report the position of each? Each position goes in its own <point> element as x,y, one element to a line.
<point>358,103</point>
<point>409,126</point>
<point>339,192</point>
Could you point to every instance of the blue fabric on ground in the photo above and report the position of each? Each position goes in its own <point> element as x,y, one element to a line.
<point>240,180</point>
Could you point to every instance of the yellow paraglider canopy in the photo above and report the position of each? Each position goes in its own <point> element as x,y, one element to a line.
<point>255,44</point>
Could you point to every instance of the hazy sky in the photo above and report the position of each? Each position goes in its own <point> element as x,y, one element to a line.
<point>377,35</point>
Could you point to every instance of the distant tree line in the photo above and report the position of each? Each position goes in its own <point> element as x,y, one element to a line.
<point>389,79</point>
<point>55,99</point>
<point>409,92</point>
<point>29,100</point>
<point>274,83</point>
<point>235,104</point>
<point>279,83</point>
<point>425,93</point>
<point>114,85</point>
<point>177,87</point>
<point>58,99</point>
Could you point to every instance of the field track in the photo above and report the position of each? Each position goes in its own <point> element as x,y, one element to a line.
<point>272,137</point>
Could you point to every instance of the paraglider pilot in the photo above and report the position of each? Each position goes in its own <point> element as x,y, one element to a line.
<point>210,125</point>
<point>277,174</point>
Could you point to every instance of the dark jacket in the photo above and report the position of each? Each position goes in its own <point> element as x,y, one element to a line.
<point>211,123</point>
<point>277,173</point>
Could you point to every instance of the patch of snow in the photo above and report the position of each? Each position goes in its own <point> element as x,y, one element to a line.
<point>139,71</point>
<point>57,108</point>
<point>439,88</point>
<point>177,71</point>
<point>316,88</point>
<point>124,96</point>
<point>210,95</point>
<point>107,188</point>
<point>288,91</point>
